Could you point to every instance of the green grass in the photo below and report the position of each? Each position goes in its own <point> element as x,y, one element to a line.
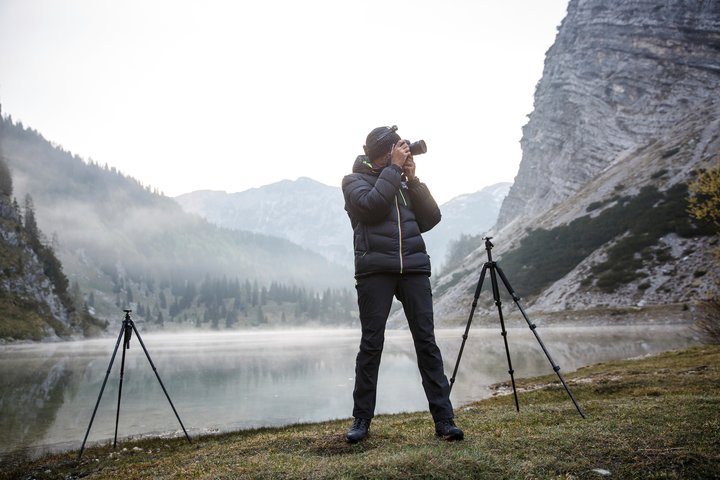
<point>656,417</point>
<point>22,319</point>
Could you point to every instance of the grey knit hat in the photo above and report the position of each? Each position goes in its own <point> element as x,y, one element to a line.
<point>380,141</point>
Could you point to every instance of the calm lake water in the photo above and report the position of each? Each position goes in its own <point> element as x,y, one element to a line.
<point>223,381</point>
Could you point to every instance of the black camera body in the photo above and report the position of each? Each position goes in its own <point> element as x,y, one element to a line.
<point>417,148</point>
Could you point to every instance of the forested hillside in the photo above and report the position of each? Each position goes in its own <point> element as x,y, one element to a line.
<point>36,299</point>
<point>127,245</point>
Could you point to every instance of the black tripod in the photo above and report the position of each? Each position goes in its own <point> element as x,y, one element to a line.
<point>126,330</point>
<point>494,267</point>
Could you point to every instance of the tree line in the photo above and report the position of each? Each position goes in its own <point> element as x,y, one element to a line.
<point>222,303</point>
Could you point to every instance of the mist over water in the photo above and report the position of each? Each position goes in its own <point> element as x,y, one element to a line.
<point>221,381</point>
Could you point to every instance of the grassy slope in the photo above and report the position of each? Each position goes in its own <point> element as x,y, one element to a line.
<point>656,417</point>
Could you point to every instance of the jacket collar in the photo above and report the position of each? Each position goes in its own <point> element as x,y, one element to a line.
<point>362,165</point>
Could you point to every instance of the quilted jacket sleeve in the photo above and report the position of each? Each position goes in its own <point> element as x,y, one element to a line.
<point>370,203</point>
<point>427,212</point>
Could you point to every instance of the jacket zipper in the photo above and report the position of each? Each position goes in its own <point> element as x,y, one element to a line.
<point>403,197</point>
<point>397,208</point>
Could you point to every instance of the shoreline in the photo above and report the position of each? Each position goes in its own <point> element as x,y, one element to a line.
<point>662,404</point>
<point>671,314</point>
<point>445,335</point>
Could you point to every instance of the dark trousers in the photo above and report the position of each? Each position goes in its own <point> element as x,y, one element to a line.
<point>375,294</point>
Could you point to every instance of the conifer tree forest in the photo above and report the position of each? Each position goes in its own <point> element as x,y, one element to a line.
<point>222,303</point>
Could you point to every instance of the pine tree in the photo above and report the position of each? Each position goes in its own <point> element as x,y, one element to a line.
<point>6,184</point>
<point>30,223</point>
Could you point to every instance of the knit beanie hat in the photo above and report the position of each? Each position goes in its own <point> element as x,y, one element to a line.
<point>380,141</point>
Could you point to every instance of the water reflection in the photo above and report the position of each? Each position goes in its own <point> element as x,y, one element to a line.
<point>225,381</point>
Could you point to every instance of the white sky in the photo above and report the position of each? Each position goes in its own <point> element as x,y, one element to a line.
<point>230,95</point>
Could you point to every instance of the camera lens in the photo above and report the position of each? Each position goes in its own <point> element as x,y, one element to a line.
<point>418,147</point>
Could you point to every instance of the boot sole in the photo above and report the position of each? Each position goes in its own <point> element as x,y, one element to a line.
<point>353,440</point>
<point>451,438</point>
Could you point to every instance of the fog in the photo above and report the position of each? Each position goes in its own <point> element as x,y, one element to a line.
<point>228,381</point>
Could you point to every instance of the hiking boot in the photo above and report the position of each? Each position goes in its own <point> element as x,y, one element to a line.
<point>447,430</point>
<point>358,431</point>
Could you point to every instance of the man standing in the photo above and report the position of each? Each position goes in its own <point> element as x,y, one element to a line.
<point>389,208</point>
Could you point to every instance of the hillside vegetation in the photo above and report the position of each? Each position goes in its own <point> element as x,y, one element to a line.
<point>637,222</point>
<point>36,300</point>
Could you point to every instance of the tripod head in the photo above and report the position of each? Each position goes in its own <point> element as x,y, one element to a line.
<point>128,326</point>
<point>488,247</point>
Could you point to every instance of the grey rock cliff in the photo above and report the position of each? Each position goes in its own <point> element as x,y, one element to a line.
<point>620,74</point>
<point>23,275</point>
<point>628,99</point>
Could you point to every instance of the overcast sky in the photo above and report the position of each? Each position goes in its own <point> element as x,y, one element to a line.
<point>231,95</point>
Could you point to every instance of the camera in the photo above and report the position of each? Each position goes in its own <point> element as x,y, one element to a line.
<point>417,148</point>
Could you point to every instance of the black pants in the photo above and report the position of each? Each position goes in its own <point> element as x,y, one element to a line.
<point>375,295</point>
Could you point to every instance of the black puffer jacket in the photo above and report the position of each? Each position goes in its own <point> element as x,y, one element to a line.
<point>387,216</point>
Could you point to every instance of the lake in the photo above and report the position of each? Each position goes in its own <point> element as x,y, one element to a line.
<point>222,381</point>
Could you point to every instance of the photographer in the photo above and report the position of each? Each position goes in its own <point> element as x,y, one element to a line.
<point>389,208</point>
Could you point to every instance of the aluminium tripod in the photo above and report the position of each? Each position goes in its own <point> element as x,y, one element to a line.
<point>494,268</point>
<point>128,326</point>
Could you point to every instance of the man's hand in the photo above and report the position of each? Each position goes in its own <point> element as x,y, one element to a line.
<point>409,168</point>
<point>399,153</point>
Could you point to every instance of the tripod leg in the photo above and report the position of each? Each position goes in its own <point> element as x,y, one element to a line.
<point>498,302</point>
<point>126,345</point>
<point>469,321</point>
<point>161,383</point>
<point>102,389</point>
<point>533,327</point>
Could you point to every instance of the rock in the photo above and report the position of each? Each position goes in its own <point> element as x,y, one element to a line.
<point>620,74</point>
<point>627,100</point>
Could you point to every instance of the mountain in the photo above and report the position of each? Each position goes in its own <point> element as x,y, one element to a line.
<point>35,298</point>
<point>626,116</point>
<point>469,214</point>
<point>620,75</point>
<point>125,244</point>
<point>303,211</point>
<point>312,214</point>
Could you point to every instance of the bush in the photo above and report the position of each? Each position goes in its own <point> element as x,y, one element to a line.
<point>708,320</point>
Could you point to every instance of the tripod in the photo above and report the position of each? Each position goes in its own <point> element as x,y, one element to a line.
<point>128,326</point>
<point>495,270</point>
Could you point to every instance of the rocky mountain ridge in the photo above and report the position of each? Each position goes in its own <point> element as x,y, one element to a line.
<point>303,211</point>
<point>312,215</point>
<point>619,75</point>
<point>626,103</point>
